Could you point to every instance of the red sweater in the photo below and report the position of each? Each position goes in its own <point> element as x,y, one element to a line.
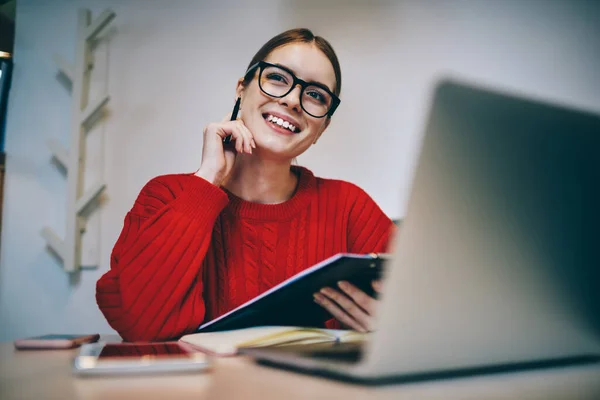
<point>189,251</point>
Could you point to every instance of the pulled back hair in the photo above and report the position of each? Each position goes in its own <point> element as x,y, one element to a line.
<point>299,35</point>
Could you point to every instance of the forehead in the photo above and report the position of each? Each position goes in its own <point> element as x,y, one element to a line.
<point>306,61</point>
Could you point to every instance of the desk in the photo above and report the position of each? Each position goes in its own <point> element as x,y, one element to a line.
<point>47,375</point>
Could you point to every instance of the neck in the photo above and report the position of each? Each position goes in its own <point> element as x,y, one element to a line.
<point>262,181</point>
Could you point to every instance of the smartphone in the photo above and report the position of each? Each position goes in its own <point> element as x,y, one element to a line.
<point>55,341</point>
<point>137,358</point>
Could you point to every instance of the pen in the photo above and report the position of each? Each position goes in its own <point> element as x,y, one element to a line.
<point>234,113</point>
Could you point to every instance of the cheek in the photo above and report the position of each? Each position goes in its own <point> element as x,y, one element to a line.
<point>316,128</point>
<point>251,98</point>
<point>249,113</point>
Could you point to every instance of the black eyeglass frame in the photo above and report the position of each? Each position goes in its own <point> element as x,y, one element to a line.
<point>335,101</point>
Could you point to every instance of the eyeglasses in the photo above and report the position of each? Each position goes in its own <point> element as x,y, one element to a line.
<point>277,81</point>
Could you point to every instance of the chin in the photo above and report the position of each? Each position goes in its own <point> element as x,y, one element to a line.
<point>275,152</point>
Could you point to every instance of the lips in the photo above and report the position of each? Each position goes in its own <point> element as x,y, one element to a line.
<point>281,121</point>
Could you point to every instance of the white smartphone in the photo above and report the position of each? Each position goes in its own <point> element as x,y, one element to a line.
<point>137,358</point>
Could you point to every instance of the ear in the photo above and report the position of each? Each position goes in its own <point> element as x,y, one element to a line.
<point>325,125</point>
<point>239,89</point>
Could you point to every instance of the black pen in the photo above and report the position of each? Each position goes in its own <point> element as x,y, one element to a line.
<point>234,114</point>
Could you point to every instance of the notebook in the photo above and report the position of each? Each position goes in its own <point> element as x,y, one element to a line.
<point>228,343</point>
<point>291,302</point>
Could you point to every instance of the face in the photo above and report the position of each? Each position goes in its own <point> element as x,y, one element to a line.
<point>306,62</point>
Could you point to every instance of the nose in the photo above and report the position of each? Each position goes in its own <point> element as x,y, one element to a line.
<point>292,99</point>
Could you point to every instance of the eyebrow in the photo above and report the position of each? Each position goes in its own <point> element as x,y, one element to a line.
<point>317,83</point>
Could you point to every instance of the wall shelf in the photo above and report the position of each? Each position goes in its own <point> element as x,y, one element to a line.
<point>73,160</point>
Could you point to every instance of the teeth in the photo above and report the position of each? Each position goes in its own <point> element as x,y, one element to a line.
<point>281,122</point>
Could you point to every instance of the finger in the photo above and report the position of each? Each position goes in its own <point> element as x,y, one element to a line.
<point>249,135</point>
<point>222,129</point>
<point>337,312</point>
<point>236,132</point>
<point>239,143</point>
<point>377,285</point>
<point>242,135</point>
<point>365,301</point>
<point>349,306</point>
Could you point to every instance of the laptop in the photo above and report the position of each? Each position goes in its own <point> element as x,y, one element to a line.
<point>497,263</point>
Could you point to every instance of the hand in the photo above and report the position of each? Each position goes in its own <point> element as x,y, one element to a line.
<point>218,158</point>
<point>351,306</point>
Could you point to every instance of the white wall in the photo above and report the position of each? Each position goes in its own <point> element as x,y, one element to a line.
<point>171,67</point>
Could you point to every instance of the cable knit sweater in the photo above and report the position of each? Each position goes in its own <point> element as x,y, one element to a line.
<point>190,251</point>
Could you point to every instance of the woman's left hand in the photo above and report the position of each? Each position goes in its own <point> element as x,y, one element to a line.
<point>350,305</point>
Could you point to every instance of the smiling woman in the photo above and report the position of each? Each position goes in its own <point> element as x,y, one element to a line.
<point>196,245</point>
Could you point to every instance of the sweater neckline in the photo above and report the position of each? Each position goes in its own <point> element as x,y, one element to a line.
<point>300,199</point>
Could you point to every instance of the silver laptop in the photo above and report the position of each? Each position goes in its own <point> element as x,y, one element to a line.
<point>497,264</point>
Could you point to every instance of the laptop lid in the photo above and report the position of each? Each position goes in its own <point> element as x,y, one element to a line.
<point>497,260</point>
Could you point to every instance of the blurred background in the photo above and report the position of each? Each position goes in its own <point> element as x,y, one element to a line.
<point>170,67</point>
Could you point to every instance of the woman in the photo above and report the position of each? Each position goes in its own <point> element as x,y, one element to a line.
<point>195,246</point>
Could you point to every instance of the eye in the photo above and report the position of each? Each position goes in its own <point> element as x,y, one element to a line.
<point>317,95</point>
<point>277,77</point>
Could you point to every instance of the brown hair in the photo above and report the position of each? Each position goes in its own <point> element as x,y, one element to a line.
<point>299,35</point>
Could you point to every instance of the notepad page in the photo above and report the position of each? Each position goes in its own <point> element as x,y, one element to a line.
<point>227,342</point>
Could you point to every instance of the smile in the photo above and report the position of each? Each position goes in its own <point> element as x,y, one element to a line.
<point>280,122</point>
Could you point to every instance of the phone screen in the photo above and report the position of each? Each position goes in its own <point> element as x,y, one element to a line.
<point>146,350</point>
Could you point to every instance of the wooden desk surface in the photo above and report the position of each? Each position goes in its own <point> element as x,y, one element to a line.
<point>47,375</point>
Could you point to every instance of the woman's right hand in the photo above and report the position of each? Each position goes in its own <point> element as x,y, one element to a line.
<point>218,157</point>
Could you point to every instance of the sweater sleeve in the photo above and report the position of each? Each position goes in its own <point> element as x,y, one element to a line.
<point>369,229</point>
<point>153,290</point>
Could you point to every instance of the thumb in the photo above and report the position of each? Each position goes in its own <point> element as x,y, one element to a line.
<point>377,285</point>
